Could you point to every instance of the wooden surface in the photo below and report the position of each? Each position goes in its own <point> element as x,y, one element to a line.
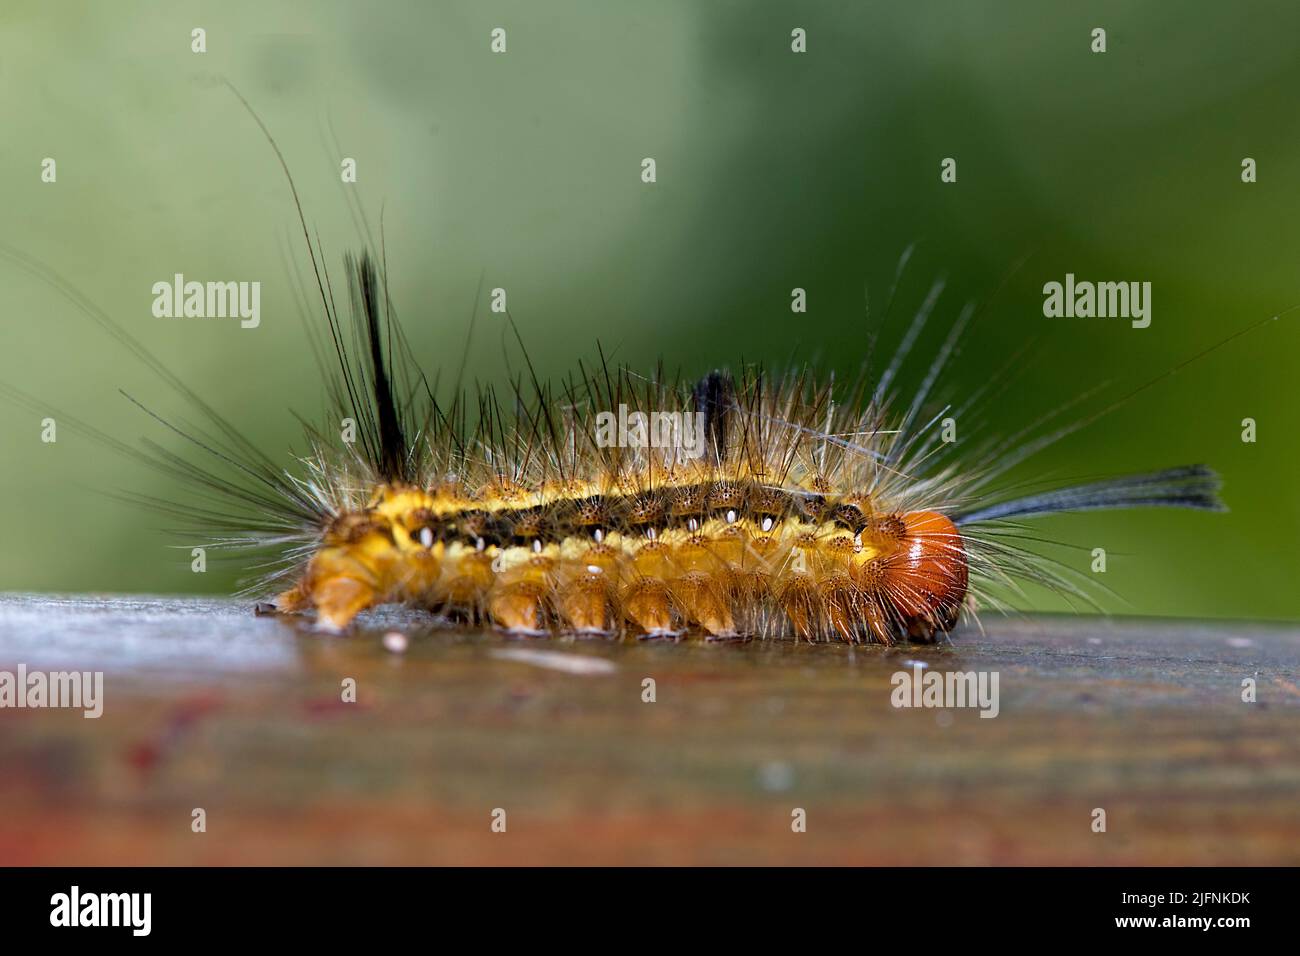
<point>208,706</point>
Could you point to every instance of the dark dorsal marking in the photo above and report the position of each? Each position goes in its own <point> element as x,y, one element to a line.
<point>680,506</point>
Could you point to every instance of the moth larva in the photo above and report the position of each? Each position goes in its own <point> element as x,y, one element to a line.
<point>800,515</point>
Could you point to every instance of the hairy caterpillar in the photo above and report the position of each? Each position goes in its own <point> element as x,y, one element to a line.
<point>803,517</point>
<point>811,511</point>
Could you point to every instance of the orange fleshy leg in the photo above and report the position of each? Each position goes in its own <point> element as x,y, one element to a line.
<point>648,604</point>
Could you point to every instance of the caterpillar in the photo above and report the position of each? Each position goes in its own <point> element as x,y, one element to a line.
<point>796,515</point>
<point>743,505</point>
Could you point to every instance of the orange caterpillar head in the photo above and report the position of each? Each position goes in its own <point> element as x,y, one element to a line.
<point>924,581</point>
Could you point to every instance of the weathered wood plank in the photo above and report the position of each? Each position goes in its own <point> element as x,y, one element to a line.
<point>207,706</point>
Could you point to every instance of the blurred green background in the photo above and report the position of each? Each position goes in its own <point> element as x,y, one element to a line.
<point>775,170</point>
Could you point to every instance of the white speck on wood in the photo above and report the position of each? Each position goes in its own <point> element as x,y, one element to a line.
<point>557,661</point>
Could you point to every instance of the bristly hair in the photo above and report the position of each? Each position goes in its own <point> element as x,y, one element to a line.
<point>714,397</point>
<point>384,435</point>
<point>1189,486</point>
